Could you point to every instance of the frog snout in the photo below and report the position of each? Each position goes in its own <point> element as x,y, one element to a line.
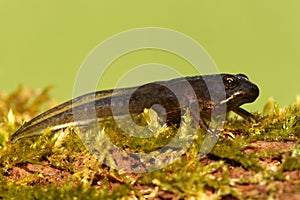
<point>253,92</point>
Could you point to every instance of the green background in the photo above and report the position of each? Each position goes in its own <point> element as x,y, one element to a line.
<point>44,42</point>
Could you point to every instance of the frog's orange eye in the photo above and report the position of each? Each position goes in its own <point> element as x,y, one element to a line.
<point>230,82</point>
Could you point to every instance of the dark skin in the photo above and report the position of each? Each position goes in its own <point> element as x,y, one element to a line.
<point>219,93</point>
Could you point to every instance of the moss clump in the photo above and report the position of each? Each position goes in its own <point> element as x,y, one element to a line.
<point>258,159</point>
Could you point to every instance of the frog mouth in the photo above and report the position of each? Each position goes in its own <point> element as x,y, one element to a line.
<point>232,97</point>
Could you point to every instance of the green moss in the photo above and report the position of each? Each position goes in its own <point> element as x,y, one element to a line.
<point>263,150</point>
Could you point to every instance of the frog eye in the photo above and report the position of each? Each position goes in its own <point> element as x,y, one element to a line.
<point>230,82</point>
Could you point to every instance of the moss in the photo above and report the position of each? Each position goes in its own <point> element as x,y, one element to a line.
<point>57,165</point>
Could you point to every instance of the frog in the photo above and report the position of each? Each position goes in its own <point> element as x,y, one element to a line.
<point>203,95</point>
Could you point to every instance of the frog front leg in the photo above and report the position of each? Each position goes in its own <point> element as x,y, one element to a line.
<point>243,113</point>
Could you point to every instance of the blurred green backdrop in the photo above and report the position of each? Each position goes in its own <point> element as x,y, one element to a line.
<point>44,42</point>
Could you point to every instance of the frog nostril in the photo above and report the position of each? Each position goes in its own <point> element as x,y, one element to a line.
<point>242,76</point>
